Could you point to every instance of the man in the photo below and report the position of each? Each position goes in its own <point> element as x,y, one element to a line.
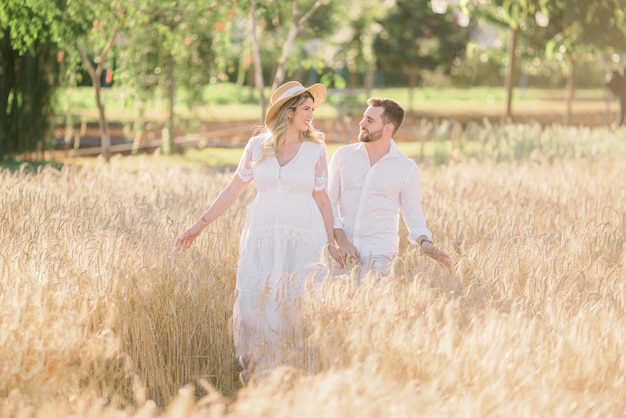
<point>369,183</point>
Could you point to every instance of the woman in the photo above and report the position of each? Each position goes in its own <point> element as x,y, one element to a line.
<point>289,224</point>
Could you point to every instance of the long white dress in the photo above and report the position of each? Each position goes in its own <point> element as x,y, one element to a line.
<point>281,246</point>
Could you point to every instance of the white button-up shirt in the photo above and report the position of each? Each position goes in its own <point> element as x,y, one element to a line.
<point>367,199</point>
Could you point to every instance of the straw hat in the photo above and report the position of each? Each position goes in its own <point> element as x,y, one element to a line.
<point>292,89</point>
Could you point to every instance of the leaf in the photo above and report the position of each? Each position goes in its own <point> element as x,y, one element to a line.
<point>551,48</point>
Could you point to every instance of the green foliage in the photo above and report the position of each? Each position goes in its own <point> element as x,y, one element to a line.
<point>28,166</point>
<point>314,40</point>
<point>563,26</point>
<point>414,37</point>
<point>29,72</point>
<point>343,44</point>
<point>190,32</point>
<point>516,142</point>
<point>579,26</point>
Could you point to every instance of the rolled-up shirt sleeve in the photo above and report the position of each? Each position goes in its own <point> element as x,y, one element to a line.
<point>411,206</point>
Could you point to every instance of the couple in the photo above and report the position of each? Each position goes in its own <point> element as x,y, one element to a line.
<point>304,211</point>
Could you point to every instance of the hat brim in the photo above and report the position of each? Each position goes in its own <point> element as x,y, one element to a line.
<point>317,90</point>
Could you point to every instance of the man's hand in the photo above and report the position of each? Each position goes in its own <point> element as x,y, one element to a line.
<point>333,251</point>
<point>348,252</point>
<point>436,254</point>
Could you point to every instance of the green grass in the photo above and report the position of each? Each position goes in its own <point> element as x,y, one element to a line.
<point>499,143</point>
<point>213,157</point>
<point>229,102</point>
<point>32,166</point>
<point>229,157</point>
<point>209,157</point>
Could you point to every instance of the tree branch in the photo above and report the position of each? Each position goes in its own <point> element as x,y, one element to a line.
<point>308,14</point>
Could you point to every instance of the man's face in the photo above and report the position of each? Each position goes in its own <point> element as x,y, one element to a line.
<point>371,125</point>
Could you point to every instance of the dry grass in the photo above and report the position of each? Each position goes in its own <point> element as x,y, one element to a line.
<point>100,318</point>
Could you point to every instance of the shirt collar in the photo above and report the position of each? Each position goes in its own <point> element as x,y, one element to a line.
<point>392,153</point>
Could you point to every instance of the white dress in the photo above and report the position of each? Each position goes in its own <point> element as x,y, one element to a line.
<point>282,244</point>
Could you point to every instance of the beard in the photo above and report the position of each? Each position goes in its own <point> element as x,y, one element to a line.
<point>367,136</point>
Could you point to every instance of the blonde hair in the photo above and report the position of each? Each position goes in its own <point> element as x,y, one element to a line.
<point>276,129</point>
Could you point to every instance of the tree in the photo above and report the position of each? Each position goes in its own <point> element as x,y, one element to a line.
<point>355,43</point>
<point>258,69</point>
<point>415,38</point>
<point>30,40</point>
<point>516,16</point>
<point>107,18</point>
<point>82,28</point>
<point>575,28</point>
<point>169,46</point>
<point>281,33</point>
<point>298,20</point>
<point>568,29</point>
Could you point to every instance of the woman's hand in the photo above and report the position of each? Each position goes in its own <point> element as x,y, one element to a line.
<point>224,200</point>
<point>184,240</point>
<point>334,253</point>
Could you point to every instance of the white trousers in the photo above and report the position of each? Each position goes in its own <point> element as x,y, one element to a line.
<point>380,264</point>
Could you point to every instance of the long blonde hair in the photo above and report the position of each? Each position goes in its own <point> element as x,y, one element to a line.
<point>276,129</point>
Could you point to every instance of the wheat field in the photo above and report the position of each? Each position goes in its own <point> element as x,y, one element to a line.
<point>102,318</point>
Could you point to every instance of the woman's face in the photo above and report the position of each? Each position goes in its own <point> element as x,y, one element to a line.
<point>302,116</point>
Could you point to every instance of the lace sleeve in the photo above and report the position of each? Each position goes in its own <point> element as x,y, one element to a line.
<point>321,170</point>
<point>244,169</point>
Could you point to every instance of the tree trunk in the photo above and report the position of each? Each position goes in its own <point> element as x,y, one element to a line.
<point>102,121</point>
<point>139,130</point>
<point>244,65</point>
<point>169,141</point>
<point>96,78</point>
<point>353,80</point>
<point>370,77</point>
<point>258,69</point>
<point>620,111</point>
<point>510,75</point>
<point>369,57</point>
<point>297,23</point>
<point>287,46</point>
<point>570,90</point>
<point>413,76</point>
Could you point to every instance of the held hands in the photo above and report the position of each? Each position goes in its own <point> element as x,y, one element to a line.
<point>436,254</point>
<point>333,251</point>
<point>348,253</point>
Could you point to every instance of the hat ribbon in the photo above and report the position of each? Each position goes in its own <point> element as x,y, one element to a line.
<point>291,92</point>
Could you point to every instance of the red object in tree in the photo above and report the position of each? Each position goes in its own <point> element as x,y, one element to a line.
<point>108,77</point>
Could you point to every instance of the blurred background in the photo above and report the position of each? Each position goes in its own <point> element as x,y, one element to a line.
<point>164,74</point>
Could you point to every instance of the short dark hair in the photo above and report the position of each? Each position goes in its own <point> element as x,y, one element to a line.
<point>394,113</point>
